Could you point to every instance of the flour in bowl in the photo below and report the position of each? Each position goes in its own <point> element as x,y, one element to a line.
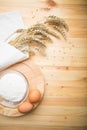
<point>13,86</point>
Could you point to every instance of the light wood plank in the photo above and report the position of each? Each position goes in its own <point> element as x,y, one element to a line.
<point>17,127</point>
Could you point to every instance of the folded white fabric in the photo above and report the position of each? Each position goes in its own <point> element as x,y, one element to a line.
<point>9,23</point>
<point>9,55</point>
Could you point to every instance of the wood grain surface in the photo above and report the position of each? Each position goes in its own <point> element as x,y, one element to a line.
<point>64,106</point>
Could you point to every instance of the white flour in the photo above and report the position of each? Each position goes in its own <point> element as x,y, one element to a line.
<point>13,87</point>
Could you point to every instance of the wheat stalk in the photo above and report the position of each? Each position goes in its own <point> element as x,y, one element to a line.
<point>44,28</point>
<point>54,20</point>
<point>31,41</point>
<point>44,35</point>
<point>39,34</point>
<point>61,31</point>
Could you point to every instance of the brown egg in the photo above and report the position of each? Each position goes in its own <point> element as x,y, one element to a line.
<point>34,96</point>
<point>25,107</point>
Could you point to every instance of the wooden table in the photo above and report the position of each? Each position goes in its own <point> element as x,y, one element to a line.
<point>64,106</point>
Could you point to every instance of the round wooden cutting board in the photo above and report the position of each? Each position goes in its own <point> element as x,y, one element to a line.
<point>35,79</point>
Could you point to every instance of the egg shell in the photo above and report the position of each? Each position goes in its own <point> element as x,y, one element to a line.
<point>34,96</point>
<point>25,107</point>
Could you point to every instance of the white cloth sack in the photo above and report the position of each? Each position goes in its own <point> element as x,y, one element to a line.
<point>9,23</point>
